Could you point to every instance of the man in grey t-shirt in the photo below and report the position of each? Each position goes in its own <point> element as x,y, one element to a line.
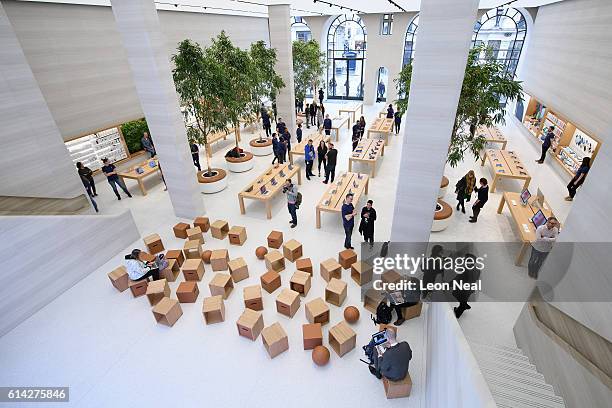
<point>546,235</point>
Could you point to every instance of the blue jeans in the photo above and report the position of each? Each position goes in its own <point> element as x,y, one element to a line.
<point>348,232</point>
<point>114,182</point>
<point>293,213</point>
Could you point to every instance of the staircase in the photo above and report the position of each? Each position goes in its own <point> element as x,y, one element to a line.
<point>512,379</point>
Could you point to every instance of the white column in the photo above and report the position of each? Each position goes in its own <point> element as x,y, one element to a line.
<point>445,32</point>
<point>279,25</point>
<point>146,49</point>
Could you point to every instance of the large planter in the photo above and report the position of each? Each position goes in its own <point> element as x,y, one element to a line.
<point>214,183</point>
<point>261,147</point>
<point>240,164</point>
<point>442,216</point>
<point>443,187</point>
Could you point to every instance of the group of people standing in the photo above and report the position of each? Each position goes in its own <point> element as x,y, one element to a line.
<point>464,189</point>
<point>366,226</point>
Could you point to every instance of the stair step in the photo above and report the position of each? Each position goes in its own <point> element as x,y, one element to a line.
<point>493,360</point>
<point>523,388</point>
<point>500,352</point>
<point>514,350</point>
<point>531,378</point>
<point>525,401</point>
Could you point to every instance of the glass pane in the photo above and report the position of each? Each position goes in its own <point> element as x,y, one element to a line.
<point>382,83</point>
<point>354,83</point>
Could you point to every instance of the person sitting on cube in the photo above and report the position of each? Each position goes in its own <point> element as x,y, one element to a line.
<point>138,268</point>
<point>387,357</point>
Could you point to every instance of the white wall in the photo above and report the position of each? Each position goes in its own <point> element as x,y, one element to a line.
<point>76,55</point>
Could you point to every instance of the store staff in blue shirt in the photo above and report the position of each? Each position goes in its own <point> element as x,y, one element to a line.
<point>348,220</point>
<point>578,178</point>
<point>327,124</point>
<point>114,180</point>
<point>309,156</point>
<point>550,135</point>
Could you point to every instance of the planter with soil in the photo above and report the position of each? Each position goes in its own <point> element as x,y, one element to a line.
<point>212,182</point>
<point>240,164</point>
<point>261,147</point>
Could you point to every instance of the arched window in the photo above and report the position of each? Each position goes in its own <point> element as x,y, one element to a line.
<point>410,40</point>
<point>502,31</point>
<point>300,30</point>
<point>346,53</point>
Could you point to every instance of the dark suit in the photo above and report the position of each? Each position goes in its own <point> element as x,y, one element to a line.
<point>394,362</point>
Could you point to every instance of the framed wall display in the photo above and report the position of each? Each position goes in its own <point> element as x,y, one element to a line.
<point>91,149</point>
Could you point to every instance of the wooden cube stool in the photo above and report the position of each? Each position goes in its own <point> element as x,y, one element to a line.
<point>275,261</point>
<point>203,223</point>
<point>346,258</point>
<point>219,229</point>
<point>331,269</point>
<point>171,272</point>
<point>252,297</point>
<point>275,339</point>
<point>147,257</point>
<point>398,389</point>
<point>342,338</point>
<point>221,284</point>
<point>391,277</point>
<point>195,234</point>
<point>138,288</point>
<point>192,250</point>
<point>250,324</point>
<point>180,230</point>
<point>300,282</point>
<point>237,235</point>
<point>361,272</point>
<point>157,290</point>
<point>371,299</point>
<point>177,255</point>
<point>383,326</point>
<point>292,250</point>
<point>317,311</point>
<point>288,302</point>
<point>153,243</point>
<point>213,309</point>
<point>312,335</point>
<point>219,259</point>
<point>304,265</point>
<point>412,311</point>
<point>187,292</point>
<point>335,292</point>
<point>167,311</point>
<point>275,239</point>
<point>270,281</point>
<point>193,269</point>
<point>119,278</point>
<point>238,269</point>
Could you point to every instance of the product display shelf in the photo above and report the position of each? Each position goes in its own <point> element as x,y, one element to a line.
<point>91,149</point>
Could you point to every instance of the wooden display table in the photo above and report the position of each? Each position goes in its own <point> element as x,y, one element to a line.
<point>506,164</point>
<point>337,123</point>
<point>367,151</point>
<point>215,137</point>
<point>253,190</point>
<point>298,149</point>
<point>522,218</point>
<point>492,135</point>
<point>351,110</point>
<point>132,174</point>
<point>382,126</point>
<point>333,198</point>
<point>383,113</point>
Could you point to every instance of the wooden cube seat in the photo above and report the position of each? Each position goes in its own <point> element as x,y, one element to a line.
<point>219,229</point>
<point>221,284</point>
<point>317,311</point>
<point>312,335</point>
<point>270,281</point>
<point>275,339</point>
<point>275,239</point>
<point>213,309</point>
<point>187,292</point>
<point>250,324</point>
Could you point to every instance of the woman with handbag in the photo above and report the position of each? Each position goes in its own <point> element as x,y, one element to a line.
<point>464,188</point>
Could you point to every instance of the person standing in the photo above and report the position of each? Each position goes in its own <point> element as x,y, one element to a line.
<point>87,186</point>
<point>381,91</point>
<point>397,121</point>
<point>390,112</point>
<point>331,157</point>
<point>265,121</point>
<point>298,133</point>
<point>366,226</point>
<point>147,144</point>
<point>319,117</point>
<point>578,178</point>
<point>483,197</point>
<point>355,137</point>
<point>276,149</point>
<point>307,113</point>
<point>110,171</point>
<point>471,275</point>
<point>309,156</point>
<point>464,188</point>
<point>362,126</point>
<point>286,136</point>
<point>550,135</point>
<point>291,190</point>
<point>321,153</point>
<point>313,112</point>
<point>546,235</point>
<point>327,124</point>
<point>321,95</point>
<point>85,172</point>
<point>348,219</point>
<point>195,155</point>
<point>280,127</point>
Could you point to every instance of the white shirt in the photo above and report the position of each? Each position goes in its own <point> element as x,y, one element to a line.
<point>135,269</point>
<point>545,238</point>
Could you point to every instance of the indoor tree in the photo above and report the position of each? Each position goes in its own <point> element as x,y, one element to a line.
<point>308,66</point>
<point>196,76</point>
<point>485,91</point>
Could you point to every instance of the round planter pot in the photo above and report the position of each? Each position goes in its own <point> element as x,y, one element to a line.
<point>443,187</point>
<point>240,164</point>
<point>442,216</point>
<point>214,183</point>
<point>261,147</point>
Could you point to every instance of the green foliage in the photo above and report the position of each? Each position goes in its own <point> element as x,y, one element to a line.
<point>308,66</point>
<point>485,92</point>
<point>132,133</point>
<point>266,82</point>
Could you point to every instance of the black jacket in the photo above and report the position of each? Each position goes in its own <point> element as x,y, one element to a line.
<point>332,157</point>
<point>483,193</point>
<point>394,362</point>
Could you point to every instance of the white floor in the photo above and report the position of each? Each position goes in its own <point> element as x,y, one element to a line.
<point>107,347</point>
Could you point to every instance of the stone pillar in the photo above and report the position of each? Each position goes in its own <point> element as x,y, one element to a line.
<point>445,32</point>
<point>279,25</point>
<point>146,49</point>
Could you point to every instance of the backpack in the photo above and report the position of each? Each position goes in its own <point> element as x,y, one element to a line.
<point>161,262</point>
<point>298,200</point>
<point>384,249</point>
<point>383,313</point>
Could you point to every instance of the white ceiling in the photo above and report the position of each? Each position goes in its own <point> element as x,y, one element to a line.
<point>299,7</point>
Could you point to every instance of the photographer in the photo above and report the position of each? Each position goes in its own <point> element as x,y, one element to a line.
<point>394,360</point>
<point>292,196</point>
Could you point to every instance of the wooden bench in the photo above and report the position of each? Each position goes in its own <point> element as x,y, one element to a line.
<point>333,198</point>
<point>368,151</point>
<point>506,164</point>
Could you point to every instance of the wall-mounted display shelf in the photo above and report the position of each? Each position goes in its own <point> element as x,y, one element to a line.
<point>91,149</point>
